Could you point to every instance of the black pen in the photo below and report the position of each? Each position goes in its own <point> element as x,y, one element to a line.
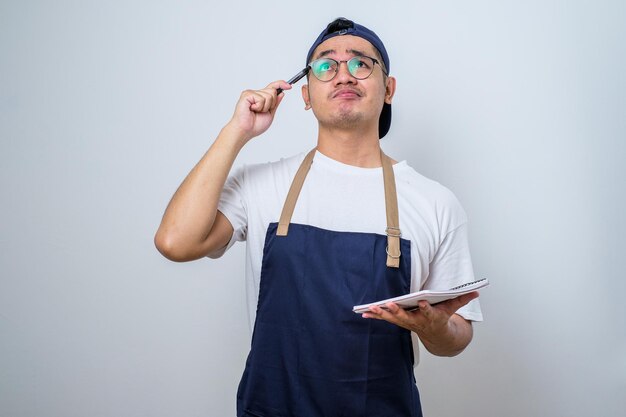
<point>294,79</point>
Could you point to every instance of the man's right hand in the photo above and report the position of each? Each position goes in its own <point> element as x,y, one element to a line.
<point>254,112</point>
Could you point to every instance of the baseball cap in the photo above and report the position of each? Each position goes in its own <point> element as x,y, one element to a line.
<point>342,26</point>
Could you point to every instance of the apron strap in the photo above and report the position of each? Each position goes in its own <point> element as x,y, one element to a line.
<point>391,205</point>
<point>294,192</point>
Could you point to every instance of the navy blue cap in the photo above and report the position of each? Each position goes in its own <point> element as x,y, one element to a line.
<point>342,26</point>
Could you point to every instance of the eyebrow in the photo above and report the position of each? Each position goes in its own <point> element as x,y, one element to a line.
<point>354,52</point>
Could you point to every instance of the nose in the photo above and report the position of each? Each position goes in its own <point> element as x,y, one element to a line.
<point>343,75</point>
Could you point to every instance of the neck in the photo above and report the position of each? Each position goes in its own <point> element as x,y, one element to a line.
<point>352,147</point>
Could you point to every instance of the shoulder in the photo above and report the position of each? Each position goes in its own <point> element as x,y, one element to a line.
<point>258,178</point>
<point>429,194</point>
<point>265,170</point>
<point>272,168</point>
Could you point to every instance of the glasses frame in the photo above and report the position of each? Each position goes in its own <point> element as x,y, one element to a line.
<point>374,60</point>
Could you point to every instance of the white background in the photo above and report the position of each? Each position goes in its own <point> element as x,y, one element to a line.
<point>517,106</point>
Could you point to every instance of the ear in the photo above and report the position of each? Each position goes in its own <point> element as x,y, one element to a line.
<point>305,97</point>
<point>390,89</point>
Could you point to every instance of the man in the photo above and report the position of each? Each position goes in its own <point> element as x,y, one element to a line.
<point>354,227</point>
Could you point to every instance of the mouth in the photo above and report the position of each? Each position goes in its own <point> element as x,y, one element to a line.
<point>346,93</point>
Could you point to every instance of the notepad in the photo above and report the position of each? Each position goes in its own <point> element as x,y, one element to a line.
<point>409,301</point>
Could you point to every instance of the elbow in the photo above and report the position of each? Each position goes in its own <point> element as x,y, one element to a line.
<point>170,248</point>
<point>450,353</point>
<point>180,246</point>
<point>447,351</point>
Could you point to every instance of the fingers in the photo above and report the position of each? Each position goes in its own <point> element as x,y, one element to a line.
<point>259,101</point>
<point>267,99</point>
<point>255,110</point>
<point>426,309</point>
<point>391,313</point>
<point>425,317</point>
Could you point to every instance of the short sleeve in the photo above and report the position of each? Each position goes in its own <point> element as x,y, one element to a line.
<point>452,266</point>
<point>233,205</point>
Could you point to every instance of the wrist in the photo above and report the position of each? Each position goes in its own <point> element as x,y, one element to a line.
<point>234,136</point>
<point>437,333</point>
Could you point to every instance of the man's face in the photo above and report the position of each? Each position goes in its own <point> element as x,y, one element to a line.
<point>345,102</point>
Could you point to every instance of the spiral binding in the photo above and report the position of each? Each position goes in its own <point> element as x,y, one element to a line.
<point>467,284</point>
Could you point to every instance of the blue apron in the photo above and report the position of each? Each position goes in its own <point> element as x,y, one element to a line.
<point>311,356</point>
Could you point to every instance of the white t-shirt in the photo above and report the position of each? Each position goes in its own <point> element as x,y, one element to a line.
<point>341,197</point>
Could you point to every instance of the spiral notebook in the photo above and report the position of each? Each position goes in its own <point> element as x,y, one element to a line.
<point>409,301</point>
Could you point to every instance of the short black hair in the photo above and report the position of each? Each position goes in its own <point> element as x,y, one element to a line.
<point>339,24</point>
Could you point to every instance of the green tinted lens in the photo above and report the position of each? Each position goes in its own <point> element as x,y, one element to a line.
<point>360,67</point>
<point>324,69</point>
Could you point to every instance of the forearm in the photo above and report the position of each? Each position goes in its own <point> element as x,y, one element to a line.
<point>189,217</point>
<point>450,340</point>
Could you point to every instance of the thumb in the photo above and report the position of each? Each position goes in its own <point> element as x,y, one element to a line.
<point>279,100</point>
<point>456,303</point>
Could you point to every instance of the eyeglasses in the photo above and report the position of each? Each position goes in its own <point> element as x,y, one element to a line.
<point>360,67</point>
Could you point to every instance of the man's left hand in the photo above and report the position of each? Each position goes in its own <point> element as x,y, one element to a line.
<point>441,330</point>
